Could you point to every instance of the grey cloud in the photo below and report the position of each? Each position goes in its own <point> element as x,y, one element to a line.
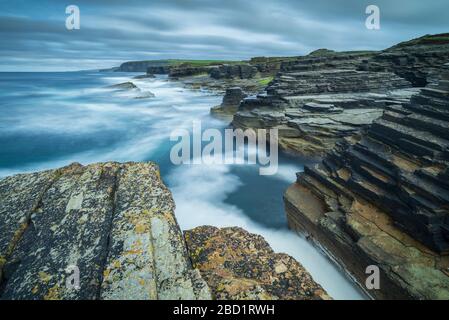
<point>34,34</point>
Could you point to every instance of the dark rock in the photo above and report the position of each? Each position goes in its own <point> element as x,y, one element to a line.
<point>152,70</point>
<point>187,71</point>
<point>231,101</point>
<point>241,71</point>
<point>124,86</point>
<point>144,76</point>
<point>417,60</point>
<point>391,187</point>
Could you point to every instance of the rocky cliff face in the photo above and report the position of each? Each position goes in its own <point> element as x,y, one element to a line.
<point>240,265</point>
<point>152,70</point>
<point>142,66</point>
<point>115,224</point>
<point>231,101</point>
<point>318,99</point>
<point>417,60</point>
<point>241,71</point>
<point>314,109</point>
<point>384,199</point>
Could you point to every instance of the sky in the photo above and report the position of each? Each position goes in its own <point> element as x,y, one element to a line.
<point>34,37</point>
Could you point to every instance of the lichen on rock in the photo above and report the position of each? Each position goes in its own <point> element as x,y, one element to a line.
<point>239,265</point>
<point>114,222</point>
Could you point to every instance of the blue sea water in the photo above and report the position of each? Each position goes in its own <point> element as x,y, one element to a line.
<point>48,120</point>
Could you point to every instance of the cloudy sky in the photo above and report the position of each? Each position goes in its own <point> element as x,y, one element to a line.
<point>33,36</point>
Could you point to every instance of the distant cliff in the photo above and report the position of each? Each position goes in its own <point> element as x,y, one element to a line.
<point>142,66</point>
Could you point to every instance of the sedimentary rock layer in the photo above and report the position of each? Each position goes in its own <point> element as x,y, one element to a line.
<point>315,109</point>
<point>314,104</point>
<point>240,265</point>
<point>417,60</point>
<point>309,97</point>
<point>231,101</point>
<point>384,200</point>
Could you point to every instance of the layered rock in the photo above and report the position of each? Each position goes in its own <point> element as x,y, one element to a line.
<point>333,81</point>
<point>323,59</point>
<point>383,200</point>
<point>231,101</point>
<point>269,66</point>
<point>152,70</point>
<point>229,71</point>
<point>240,265</point>
<point>325,76</point>
<point>187,71</point>
<point>114,222</point>
<point>417,60</point>
<point>143,66</point>
<point>314,109</point>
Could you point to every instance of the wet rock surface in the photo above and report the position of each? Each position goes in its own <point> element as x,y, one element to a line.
<point>239,265</point>
<point>383,199</point>
<point>124,86</point>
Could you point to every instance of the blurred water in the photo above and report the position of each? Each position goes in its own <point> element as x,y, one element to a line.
<point>48,120</point>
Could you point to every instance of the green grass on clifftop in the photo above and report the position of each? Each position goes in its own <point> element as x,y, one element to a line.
<point>265,81</point>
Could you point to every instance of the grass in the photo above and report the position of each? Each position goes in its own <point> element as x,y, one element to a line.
<point>265,81</point>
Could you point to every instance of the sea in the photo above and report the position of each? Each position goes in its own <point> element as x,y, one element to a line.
<point>51,119</point>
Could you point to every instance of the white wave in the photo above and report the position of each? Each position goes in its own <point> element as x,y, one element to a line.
<point>199,193</point>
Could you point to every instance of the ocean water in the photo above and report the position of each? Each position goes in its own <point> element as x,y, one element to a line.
<point>48,120</point>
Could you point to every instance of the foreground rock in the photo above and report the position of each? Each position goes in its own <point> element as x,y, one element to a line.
<point>113,221</point>
<point>384,200</point>
<point>240,265</point>
<point>115,224</point>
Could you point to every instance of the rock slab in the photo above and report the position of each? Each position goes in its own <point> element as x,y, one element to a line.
<point>239,265</point>
<point>114,222</point>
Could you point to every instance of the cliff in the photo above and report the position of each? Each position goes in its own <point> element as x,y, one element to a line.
<point>115,224</point>
<point>325,97</point>
<point>417,60</point>
<point>383,200</point>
